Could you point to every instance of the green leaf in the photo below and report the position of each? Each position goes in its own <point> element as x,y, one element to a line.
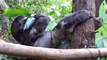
<point>100,42</point>
<point>51,25</point>
<point>51,12</point>
<point>102,9</point>
<point>15,12</point>
<point>58,13</point>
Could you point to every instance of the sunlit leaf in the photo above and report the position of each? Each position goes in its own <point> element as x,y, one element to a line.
<point>15,12</point>
<point>100,42</point>
<point>51,26</point>
<point>58,13</point>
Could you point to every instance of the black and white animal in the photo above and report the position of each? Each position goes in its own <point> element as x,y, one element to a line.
<point>26,32</point>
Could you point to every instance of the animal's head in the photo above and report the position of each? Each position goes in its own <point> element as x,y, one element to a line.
<point>18,23</point>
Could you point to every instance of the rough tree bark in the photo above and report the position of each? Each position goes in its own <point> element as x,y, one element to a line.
<point>84,33</point>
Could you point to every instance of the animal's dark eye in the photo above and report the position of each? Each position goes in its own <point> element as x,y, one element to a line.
<point>19,24</point>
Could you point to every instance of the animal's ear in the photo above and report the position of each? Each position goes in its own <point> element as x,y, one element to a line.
<point>98,21</point>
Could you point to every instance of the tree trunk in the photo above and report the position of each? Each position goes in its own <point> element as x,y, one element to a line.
<point>84,36</point>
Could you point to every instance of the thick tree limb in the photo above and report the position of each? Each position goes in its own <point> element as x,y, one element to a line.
<point>35,52</point>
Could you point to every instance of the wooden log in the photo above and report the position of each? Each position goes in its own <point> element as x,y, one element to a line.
<point>49,53</point>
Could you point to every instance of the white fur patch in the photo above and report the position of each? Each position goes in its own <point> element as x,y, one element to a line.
<point>63,23</point>
<point>33,30</point>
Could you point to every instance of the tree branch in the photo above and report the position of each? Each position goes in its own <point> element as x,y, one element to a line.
<point>48,53</point>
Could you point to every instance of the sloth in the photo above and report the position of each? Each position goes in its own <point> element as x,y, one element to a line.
<point>32,32</point>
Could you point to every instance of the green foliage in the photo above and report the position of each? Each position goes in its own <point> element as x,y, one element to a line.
<point>51,26</point>
<point>11,12</point>
<point>55,9</point>
<point>101,36</point>
<point>100,42</point>
<point>8,57</point>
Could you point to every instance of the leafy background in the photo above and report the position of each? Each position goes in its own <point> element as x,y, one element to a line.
<point>101,36</point>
